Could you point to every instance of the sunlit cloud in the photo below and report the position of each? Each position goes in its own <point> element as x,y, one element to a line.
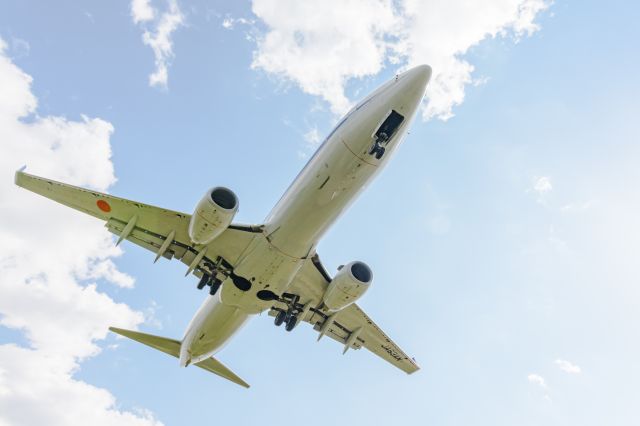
<point>322,45</point>
<point>53,261</point>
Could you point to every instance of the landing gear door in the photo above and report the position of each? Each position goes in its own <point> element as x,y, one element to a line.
<point>385,132</point>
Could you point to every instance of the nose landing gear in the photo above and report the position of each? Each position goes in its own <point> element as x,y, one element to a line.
<point>385,132</point>
<point>377,149</point>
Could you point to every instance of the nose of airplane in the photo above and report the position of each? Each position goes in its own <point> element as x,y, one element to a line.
<point>416,79</point>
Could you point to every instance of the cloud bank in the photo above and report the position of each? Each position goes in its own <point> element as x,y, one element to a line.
<point>320,45</point>
<point>50,260</point>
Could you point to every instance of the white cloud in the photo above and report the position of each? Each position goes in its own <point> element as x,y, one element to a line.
<point>568,367</point>
<point>49,257</point>
<point>107,270</point>
<point>542,185</point>
<point>312,137</point>
<point>41,390</point>
<point>537,380</point>
<point>142,11</point>
<point>229,23</point>
<point>320,45</point>
<point>158,32</point>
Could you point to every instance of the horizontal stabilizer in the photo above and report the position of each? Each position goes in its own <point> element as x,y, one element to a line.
<point>172,347</point>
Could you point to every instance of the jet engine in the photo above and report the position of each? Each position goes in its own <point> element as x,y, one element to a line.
<point>349,284</point>
<point>213,215</point>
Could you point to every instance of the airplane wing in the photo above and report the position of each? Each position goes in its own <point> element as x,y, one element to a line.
<point>351,326</point>
<point>162,231</point>
<point>165,232</point>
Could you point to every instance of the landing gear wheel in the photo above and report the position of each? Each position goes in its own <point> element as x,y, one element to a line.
<point>203,281</point>
<point>379,153</point>
<point>215,285</point>
<point>291,323</point>
<point>280,317</point>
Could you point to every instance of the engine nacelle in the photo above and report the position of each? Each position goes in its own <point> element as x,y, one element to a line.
<point>349,284</point>
<point>213,215</point>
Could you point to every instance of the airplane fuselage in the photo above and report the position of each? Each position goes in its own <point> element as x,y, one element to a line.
<point>339,170</point>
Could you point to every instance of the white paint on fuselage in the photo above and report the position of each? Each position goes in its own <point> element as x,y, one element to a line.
<point>330,181</point>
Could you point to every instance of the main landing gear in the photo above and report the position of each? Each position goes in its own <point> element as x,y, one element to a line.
<point>289,319</point>
<point>281,316</point>
<point>208,280</point>
<point>290,316</point>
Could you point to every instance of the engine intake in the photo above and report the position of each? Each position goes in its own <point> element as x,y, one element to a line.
<point>349,284</point>
<point>212,215</point>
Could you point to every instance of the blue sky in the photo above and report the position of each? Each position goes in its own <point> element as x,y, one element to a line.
<point>504,236</point>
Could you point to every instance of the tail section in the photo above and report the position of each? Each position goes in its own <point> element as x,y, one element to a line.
<point>172,347</point>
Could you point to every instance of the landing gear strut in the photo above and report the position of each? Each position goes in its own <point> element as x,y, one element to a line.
<point>377,149</point>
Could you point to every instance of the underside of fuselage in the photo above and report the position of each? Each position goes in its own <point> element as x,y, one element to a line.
<point>348,159</point>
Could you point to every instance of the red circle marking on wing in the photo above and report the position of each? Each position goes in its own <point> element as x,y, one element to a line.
<point>104,206</point>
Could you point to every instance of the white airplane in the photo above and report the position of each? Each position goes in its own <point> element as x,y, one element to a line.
<point>274,266</point>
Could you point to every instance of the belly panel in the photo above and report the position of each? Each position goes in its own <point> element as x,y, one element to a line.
<point>266,268</point>
<point>316,199</point>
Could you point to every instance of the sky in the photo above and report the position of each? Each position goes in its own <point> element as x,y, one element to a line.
<point>504,235</point>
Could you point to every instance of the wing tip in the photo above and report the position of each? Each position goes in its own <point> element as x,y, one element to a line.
<point>414,364</point>
<point>122,332</point>
<point>19,173</point>
<point>117,330</point>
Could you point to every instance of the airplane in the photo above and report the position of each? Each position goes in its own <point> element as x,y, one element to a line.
<point>274,267</point>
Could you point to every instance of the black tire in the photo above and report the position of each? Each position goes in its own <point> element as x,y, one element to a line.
<point>374,149</point>
<point>203,281</point>
<point>291,323</point>
<point>379,153</point>
<point>280,317</point>
<point>214,287</point>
